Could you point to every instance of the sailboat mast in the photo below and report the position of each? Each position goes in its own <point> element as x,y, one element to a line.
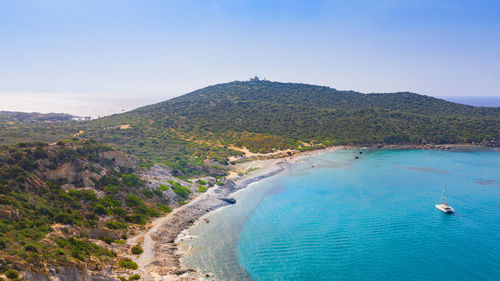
<point>443,195</point>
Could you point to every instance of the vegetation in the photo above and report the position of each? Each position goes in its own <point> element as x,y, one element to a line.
<point>179,190</point>
<point>264,116</point>
<point>40,213</point>
<point>137,249</point>
<point>127,263</point>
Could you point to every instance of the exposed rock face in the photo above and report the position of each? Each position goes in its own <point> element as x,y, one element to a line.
<point>159,174</point>
<point>64,171</point>
<point>67,274</point>
<point>73,174</point>
<point>101,233</point>
<point>9,214</point>
<point>213,170</point>
<point>120,159</point>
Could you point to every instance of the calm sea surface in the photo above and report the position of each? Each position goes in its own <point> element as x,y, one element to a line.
<point>76,104</point>
<point>367,219</point>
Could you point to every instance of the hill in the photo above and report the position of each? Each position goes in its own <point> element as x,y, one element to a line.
<point>261,115</point>
<point>264,115</point>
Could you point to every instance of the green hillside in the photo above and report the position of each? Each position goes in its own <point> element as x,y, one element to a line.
<point>264,115</point>
<point>74,203</point>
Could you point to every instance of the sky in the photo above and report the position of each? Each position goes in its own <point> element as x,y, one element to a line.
<point>159,49</point>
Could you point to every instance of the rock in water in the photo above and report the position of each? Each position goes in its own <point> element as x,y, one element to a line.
<point>228,200</point>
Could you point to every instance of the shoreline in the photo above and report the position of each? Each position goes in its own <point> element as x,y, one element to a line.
<point>161,259</point>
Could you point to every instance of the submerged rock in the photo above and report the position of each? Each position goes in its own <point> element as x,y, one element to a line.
<point>228,200</point>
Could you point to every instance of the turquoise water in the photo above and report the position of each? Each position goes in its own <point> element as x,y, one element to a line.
<point>367,219</point>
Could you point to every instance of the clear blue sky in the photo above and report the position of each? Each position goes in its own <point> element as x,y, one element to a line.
<point>170,47</point>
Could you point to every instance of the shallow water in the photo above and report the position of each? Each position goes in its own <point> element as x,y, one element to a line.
<point>367,219</point>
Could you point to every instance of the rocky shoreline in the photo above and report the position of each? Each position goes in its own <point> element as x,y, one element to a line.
<point>163,262</point>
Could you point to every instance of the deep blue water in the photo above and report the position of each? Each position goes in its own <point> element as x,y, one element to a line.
<point>367,219</point>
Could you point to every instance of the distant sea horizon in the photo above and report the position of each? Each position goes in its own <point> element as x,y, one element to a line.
<point>80,105</point>
<point>96,106</point>
<point>486,101</point>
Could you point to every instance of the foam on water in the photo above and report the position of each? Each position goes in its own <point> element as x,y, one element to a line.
<point>367,219</point>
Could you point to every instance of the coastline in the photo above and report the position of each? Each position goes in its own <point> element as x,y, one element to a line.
<point>161,259</point>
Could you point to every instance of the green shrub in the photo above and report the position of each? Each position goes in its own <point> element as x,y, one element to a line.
<point>84,195</point>
<point>113,189</point>
<point>163,187</point>
<point>148,193</point>
<point>132,180</point>
<point>137,250</point>
<point>157,192</point>
<point>65,218</point>
<point>108,240</point>
<point>202,182</point>
<point>12,273</point>
<point>128,264</point>
<point>100,209</point>
<point>202,189</point>
<point>117,225</point>
<point>181,191</point>
<point>136,218</point>
<point>134,277</point>
<point>165,208</point>
<point>133,200</point>
<point>30,248</point>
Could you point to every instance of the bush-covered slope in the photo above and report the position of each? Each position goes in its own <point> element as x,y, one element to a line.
<point>268,114</point>
<point>263,115</point>
<point>67,203</point>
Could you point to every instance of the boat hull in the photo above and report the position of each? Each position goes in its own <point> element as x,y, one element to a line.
<point>445,209</point>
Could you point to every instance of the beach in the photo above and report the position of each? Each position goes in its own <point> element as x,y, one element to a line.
<point>160,259</point>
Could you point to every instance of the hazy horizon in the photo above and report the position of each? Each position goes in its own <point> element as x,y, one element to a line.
<point>127,48</point>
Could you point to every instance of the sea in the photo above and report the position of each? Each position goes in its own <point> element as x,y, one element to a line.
<point>77,104</point>
<point>334,217</point>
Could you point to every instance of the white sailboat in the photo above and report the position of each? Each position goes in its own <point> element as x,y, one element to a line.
<point>443,206</point>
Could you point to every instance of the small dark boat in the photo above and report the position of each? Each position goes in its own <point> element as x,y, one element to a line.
<point>356,157</point>
<point>228,200</point>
